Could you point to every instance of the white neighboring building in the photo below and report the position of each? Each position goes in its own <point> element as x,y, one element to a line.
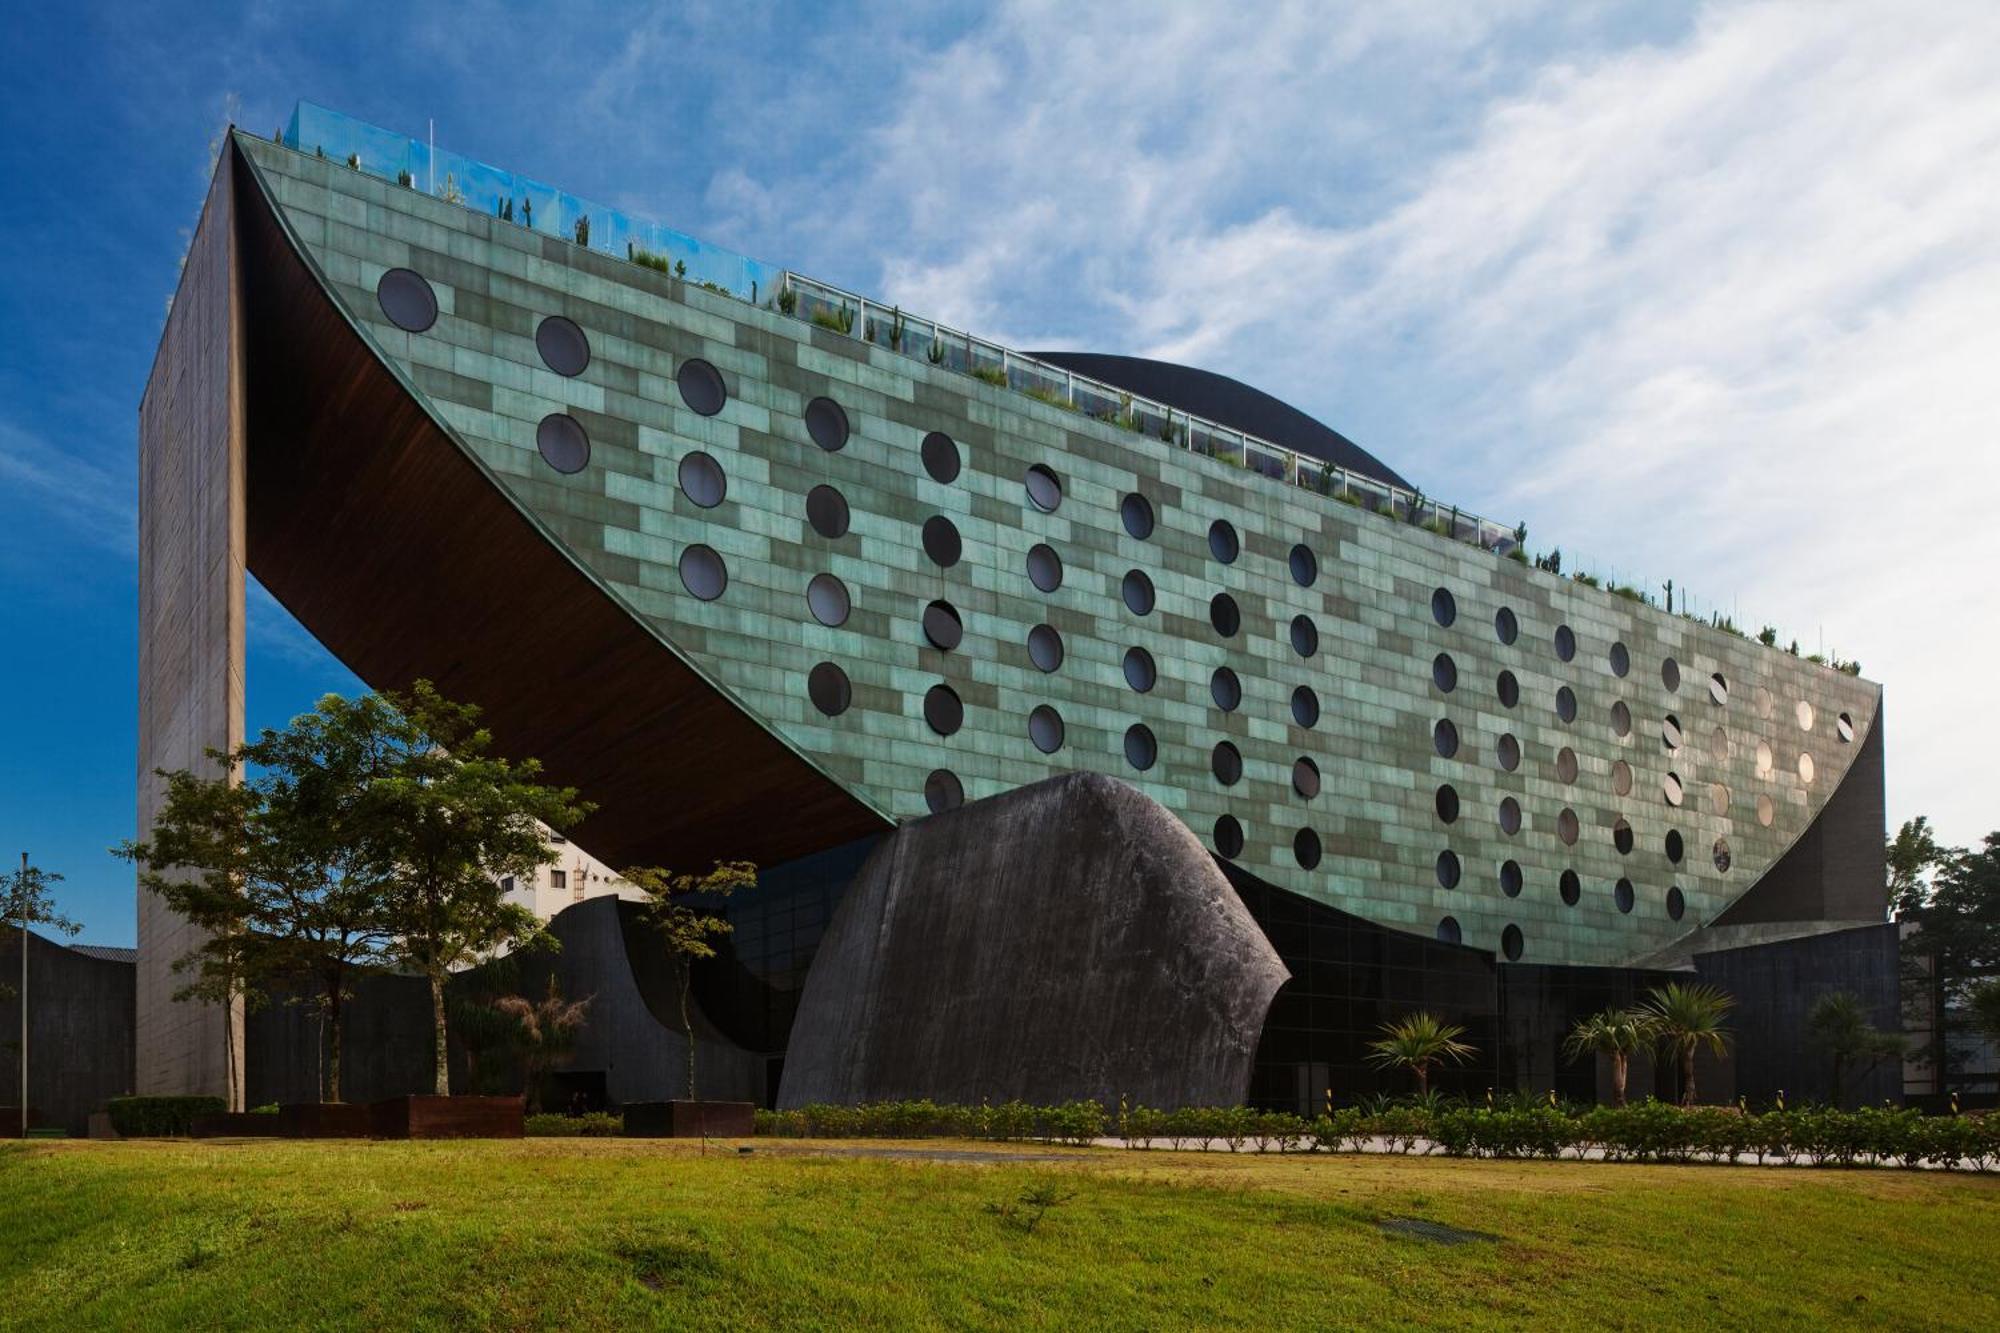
<point>574,876</point>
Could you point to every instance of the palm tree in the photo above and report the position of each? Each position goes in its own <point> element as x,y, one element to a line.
<point>1617,1033</point>
<point>1416,1044</point>
<point>1838,1024</point>
<point>548,1030</point>
<point>1687,1018</point>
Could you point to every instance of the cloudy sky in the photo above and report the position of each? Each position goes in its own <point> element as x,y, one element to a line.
<point>1706,293</point>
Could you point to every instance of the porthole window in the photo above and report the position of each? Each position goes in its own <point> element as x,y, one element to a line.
<point>563,347</point>
<point>1844,727</point>
<point>1670,733</point>
<point>1447,803</point>
<point>1670,788</point>
<point>1138,592</point>
<point>1621,719</point>
<point>1226,763</point>
<point>1505,627</point>
<point>1045,569</point>
<point>1621,660</point>
<point>1621,778</point>
<point>1044,490</point>
<point>1571,888</point>
<point>1222,541</point>
<point>826,422</point>
<point>1141,750</point>
<point>1566,703</point>
<point>1305,848</point>
<point>940,455</point>
<point>1719,747</point>
<point>1676,903</point>
<point>1448,869</point>
<point>703,573</point>
<point>1568,827</point>
<point>1764,759</point>
<point>1624,895</point>
<point>1305,636</point>
<point>1305,706</point>
<point>1721,854</point>
<point>562,443</point>
<point>826,598</point>
<point>1670,675</point>
<point>1565,643</point>
<point>943,710</point>
<point>1448,931</point>
<point>827,687</point>
<point>1444,673</point>
<point>1224,616</point>
<point>1718,689</point>
<point>1045,648</point>
<point>826,510</point>
<point>1225,689</point>
<point>1137,513</point>
<point>1805,715</point>
<point>1566,764</point>
<point>1510,878</point>
<point>407,300</point>
<point>941,542</point>
<point>1718,798</point>
<point>1229,837</point>
<point>1508,689</point>
<point>1444,736</point>
<point>1766,811</point>
<point>1305,566</point>
<point>701,387</point>
<point>1621,836</point>
<point>1045,729</point>
<point>1674,847</point>
<point>1805,768</point>
<point>1511,943</point>
<point>942,625</point>
<point>1507,750</point>
<point>1765,703</point>
<point>702,480</point>
<point>1139,671</point>
<point>1305,777</point>
<point>943,791</point>
<point>1444,607</point>
<point>1510,816</point>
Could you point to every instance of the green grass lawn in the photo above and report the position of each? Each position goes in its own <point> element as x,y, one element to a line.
<point>603,1234</point>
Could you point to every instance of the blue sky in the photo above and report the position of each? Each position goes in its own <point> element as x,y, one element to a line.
<point>1702,293</point>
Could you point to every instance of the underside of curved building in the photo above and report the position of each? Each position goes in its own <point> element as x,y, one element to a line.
<point>771,572</point>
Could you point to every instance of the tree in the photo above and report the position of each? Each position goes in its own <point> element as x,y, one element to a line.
<point>1417,1044</point>
<point>1838,1024</point>
<point>1957,914</point>
<point>546,1031</point>
<point>1686,1019</point>
<point>686,925</point>
<point>1985,1007</point>
<point>27,896</point>
<point>1913,854</point>
<point>1617,1033</point>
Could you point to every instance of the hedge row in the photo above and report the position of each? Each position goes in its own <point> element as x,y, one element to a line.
<point>594,1125</point>
<point>160,1117</point>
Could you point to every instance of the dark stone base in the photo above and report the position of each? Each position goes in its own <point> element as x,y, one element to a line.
<point>326,1120</point>
<point>448,1118</point>
<point>237,1125</point>
<point>689,1120</point>
<point>10,1121</point>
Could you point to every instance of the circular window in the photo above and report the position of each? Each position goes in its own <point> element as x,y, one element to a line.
<point>826,422</point>
<point>1764,760</point>
<point>1718,798</point>
<point>1222,542</point>
<point>1621,836</point>
<point>1766,811</point>
<point>702,572</point>
<point>943,710</point>
<point>702,480</point>
<point>562,443</point>
<point>1805,768</point>
<point>1224,616</point>
<point>1138,592</point>
<point>1305,636</point>
<point>941,542</point>
<point>1448,931</point>
<point>940,455</point>
<point>1508,751</point>
<point>1045,569</point>
<point>1505,627</point>
<point>1565,642</point>
<point>826,598</point>
<point>1621,778</point>
<point>1722,854</point>
<point>1765,703</point>
<point>1444,607</point>
<point>826,510</point>
<point>1229,836</point>
<point>1670,787</point>
<point>1444,673</point>
<point>1566,764</point>
<point>1444,736</point>
<point>1621,719</point>
<point>1508,689</point>
<point>1571,887</point>
<point>1137,512</point>
<point>1567,827</point>
<point>1139,671</point>
<point>1719,746</point>
<point>1045,729</point>
<point>1675,848</point>
<point>1670,674</point>
<point>942,791</point>
<point>1624,895</point>
<point>563,347</point>
<point>1670,732</point>
<point>1844,727</point>
<point>942,625</point>
<point>1510,816</point>
<point>1225,689</point>
<point>1045,648</point>
<point>1511,943</point>
<point>1718,689</point>
<point>701,387</point>
<point>1044,490</point>
<point>407,300</point>
<point>1226,763</point>
<point>1566,703</point>
<point>1305,777</point>
<point>1805,715</point>
<point>1621,660</point>
<point>1305,566</point>
<point>1510,878</point>
<point>1447,803</point>
<point>1676,903</point>
<point>1448,869</point>
<point>1305,706</point>
<point>1305,848</point>
<point>1141,750</point>
<point>827,687</point>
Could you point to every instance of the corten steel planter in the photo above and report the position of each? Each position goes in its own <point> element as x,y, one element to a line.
<point>237,1125</point>
<point>689,1120</point>
<point>326,1120</point>
<point>432,1117</point>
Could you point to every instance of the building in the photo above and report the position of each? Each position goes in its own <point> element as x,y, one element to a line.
<point>821,568</point>
<point>574,876</point>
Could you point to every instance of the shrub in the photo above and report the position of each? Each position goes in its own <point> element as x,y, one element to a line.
<point>160,1117</point>
<point>592,1125</point>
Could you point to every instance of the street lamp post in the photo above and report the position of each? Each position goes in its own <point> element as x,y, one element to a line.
<point>22,886</point>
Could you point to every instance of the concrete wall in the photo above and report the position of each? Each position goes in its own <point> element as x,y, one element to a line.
<point>80,1031</point>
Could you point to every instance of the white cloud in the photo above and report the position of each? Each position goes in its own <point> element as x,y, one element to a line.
<point>98,503</point>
